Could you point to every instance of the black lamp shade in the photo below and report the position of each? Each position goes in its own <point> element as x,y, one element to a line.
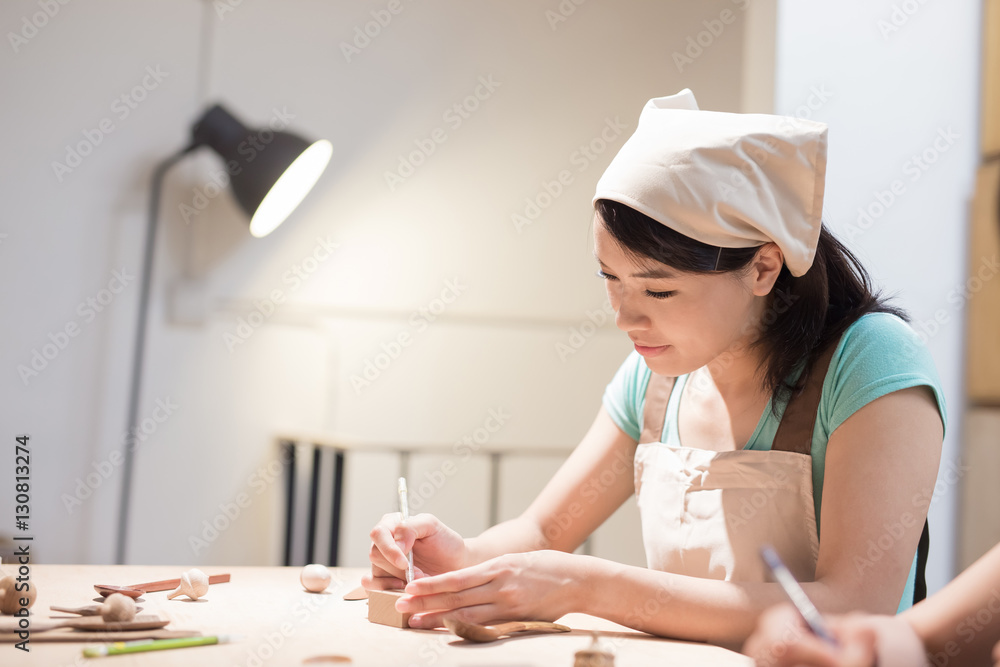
<point>256,160</point>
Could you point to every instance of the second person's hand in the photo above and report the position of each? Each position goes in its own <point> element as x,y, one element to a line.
<point>864,640</point>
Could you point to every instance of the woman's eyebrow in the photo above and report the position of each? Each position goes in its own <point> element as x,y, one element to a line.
<point>658,272</point>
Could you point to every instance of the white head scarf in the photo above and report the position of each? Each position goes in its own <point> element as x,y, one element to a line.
<point>726,179</point>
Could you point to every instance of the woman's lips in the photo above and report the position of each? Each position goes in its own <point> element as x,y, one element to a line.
<point>650,351</point>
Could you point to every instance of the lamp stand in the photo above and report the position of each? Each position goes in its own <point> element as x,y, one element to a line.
<point>140,347</point>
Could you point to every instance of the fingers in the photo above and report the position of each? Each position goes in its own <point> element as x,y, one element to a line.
<point>393,540</point>
<point>381,580</point>
<point>372,583</point>
<point>379,560</point>
<point>782,639</point>
<point>857,647</point>
<point>452,582</point>
<point>479,595</point>
<point>469,595</point>
<point>996,655</point>
<point>386,551</point>
<point>384,541</point>
<point>417,527</point>
<point>481,614</point>
<point>857,640</point>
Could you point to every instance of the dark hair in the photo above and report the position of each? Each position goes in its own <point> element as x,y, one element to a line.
<point>819,305</point>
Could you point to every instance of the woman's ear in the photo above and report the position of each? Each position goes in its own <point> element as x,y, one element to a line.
<point>765,268</point>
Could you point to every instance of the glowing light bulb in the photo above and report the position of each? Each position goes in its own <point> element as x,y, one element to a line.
<point>291,188</point>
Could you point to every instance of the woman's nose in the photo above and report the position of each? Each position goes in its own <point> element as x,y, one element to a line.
<point>628,317</point>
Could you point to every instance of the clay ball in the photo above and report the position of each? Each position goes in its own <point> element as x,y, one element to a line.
<point>315,578</point>
<point>118,608</point>
<point>10,597</point>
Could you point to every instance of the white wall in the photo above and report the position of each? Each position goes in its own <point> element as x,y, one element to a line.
<point>64,238</point>
<point>889,93</point>
<point>494,347</point>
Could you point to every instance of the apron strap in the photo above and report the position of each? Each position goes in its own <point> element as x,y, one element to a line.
<point>795,431</point>
<point>654,413</point>
<point>920,582</point>
<point>795,435</point>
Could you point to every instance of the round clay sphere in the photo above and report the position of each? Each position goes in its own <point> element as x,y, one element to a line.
<point>315,578</point>
<point>118,608</point>
<point>10,597</point>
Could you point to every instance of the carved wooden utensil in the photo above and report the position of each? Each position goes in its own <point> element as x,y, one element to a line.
<point>86,610</point>
<point>488,633</point>
<point>135,590</point>
<point>94,623</point>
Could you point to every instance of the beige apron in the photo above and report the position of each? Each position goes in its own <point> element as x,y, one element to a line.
<point>706,513</point>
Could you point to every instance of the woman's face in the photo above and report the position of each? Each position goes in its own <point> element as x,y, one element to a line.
<point>680,321</point>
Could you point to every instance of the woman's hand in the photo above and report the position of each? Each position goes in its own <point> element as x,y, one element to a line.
<point>537,586</point>
<point>436,549</point>
<point>782,639</point>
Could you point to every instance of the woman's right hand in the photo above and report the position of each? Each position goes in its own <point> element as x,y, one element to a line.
<point>436,549</point>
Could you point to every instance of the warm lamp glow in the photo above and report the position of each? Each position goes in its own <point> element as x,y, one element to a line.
<point>291,188</point>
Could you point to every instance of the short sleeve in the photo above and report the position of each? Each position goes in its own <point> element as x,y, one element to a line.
<point>626,393</point>
<point>877,355</point>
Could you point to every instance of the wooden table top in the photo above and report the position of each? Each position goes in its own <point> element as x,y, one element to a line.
<point>282,624</point>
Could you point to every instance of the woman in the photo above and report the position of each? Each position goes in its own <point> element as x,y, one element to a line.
<point>708,233</point>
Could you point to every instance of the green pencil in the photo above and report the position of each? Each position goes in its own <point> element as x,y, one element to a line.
<point>117,648</point>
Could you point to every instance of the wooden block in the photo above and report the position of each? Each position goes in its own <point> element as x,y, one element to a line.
<point>382,609</point>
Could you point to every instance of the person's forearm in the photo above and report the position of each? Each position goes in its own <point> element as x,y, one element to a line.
<point>961,622</point>
<point>513,536</point>
<point>671,605</point>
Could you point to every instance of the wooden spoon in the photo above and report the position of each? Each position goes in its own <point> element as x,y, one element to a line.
<point>87,610</point>
<point>135,590</point>
<point>488,633</point>
<point>94,623</point>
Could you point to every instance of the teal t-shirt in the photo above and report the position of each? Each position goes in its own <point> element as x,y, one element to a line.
<point>878,354</point>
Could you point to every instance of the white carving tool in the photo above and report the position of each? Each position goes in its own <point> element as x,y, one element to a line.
<point>404,510</point>
<point>802,603</point>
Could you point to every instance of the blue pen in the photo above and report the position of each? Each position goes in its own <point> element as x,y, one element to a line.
<point>798,596</point>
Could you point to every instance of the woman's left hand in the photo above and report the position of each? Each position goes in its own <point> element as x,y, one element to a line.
<point>536,585</point>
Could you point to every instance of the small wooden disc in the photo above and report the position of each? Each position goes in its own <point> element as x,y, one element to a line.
<point>593,659</point>
<point>358,593</point>
<point>325,659</point>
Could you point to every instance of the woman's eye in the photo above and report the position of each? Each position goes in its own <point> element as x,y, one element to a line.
<point>655,295</point>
